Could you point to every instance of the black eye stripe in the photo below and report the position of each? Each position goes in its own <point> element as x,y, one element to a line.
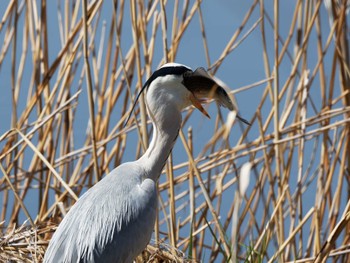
<point>164,71</point>
<point>171,70</point>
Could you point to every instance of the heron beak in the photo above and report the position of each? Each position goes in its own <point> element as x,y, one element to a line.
<point>198,105</point>
<point>204,88</point>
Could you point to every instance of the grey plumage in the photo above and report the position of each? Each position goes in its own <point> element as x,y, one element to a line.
<point>113,221</point>
<point>102,210</point>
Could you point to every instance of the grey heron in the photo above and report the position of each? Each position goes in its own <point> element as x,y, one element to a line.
<point>113,221</point>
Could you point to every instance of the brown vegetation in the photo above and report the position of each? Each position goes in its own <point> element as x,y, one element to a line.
<point>296,207</point>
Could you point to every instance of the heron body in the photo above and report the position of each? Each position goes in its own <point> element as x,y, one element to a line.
<point>113,221</point>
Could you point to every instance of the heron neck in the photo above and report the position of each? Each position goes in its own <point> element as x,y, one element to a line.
<point>165,132</point>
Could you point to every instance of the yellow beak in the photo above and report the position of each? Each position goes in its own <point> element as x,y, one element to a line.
<point>198,105</point>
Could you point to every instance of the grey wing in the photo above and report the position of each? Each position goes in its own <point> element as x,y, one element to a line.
<point>112,222</point>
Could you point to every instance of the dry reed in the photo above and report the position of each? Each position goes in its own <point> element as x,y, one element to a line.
<point>296,207</point>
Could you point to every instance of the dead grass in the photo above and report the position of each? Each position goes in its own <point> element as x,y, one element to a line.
<point>296,207</point>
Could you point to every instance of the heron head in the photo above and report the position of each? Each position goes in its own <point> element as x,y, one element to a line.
<point>178,84</point>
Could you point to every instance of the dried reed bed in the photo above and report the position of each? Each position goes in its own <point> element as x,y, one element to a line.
<point>290,203</point>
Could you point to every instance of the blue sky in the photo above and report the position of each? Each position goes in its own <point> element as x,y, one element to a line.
<point>242,67</point>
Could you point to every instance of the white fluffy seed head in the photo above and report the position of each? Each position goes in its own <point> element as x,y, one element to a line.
<point>244,178</point>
